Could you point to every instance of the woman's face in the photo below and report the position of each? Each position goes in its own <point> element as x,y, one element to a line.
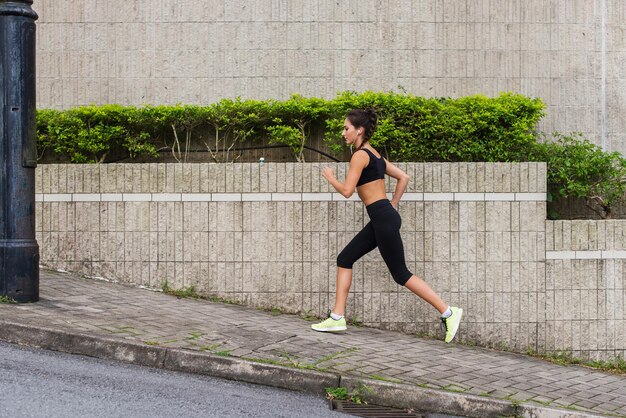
<point>350,133</point>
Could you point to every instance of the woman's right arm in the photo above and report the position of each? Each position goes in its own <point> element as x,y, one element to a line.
<point>357,163</point>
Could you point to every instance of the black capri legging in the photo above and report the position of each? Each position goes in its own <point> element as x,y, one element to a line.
<point>383,231</point>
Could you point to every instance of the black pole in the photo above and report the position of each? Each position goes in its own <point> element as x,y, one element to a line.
<point>19,252</point>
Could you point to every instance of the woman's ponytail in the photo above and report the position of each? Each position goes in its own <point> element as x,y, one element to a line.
<point>366,119</point>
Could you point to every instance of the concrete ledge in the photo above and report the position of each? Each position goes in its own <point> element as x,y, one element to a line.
<point>407,396</point>
<point>527,411</point>
<point>234,368</point>
<point>282,197</point>
<point>87,345</point>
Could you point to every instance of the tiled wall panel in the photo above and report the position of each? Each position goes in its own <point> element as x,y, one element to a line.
<point>478,239</point>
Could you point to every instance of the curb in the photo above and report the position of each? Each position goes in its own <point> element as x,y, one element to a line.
<point>174,359</point>
<point>395,395</point>
<point>398,395</point>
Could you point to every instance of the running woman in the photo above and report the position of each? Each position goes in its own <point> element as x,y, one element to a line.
<point>366,174</point>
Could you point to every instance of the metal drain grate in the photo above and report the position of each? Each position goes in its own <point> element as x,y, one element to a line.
<point>371,411</point>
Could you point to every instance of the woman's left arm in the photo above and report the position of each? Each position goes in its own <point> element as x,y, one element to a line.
<point>401,184</point>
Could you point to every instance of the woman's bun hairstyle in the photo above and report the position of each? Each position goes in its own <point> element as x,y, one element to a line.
<point>366,119</point>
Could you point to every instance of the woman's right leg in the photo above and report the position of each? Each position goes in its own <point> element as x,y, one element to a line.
<point>344,280</point>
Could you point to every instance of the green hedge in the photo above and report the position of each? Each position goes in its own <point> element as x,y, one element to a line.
<point>411,128</point>
<point>474,128</point>
<point>90,134</point>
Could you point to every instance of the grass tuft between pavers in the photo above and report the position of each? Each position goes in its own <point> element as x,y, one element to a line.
<point>7,300</point>
<point>566,358</point>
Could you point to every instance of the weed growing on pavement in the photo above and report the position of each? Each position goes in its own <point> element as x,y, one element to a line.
<point>308,315</point>
<point>617,365</point>
<point>225,353</point>
<point>361,393</point>
<point>340,393</point>
<point>219,299</point>
<point>566,358</point>
<point>215,346</point>
<point>358,395</point>
<point>574,407</point>
<point>355,321</point>
<point>211,347</point>
<point>384,379</point>
<point>455,388</point>
<point>337,355</point>
<point>274,311</point>
<point>516,402</point>
<point>195,335</point>
<point>427,386</point>
<point>283,363</point>
<point>425,335</point>
<point>6,299</point>
<point>291,360</point>
<point>540,402</point>
<point>190,292</point>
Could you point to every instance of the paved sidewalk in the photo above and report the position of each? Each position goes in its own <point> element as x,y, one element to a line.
<point>109,320</point>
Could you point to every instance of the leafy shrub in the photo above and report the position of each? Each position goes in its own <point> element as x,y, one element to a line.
<point>474,128</point>
<point>578,168</point>
<point>180,120</point>
<point>236,121</point>
<point>292,121</point>
<point>91,133</point>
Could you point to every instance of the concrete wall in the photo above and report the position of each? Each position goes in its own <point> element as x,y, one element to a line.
<point>570,53</point>
<point>268,235</point>
<point>586,287</point>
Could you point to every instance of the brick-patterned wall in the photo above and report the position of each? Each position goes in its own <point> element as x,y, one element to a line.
<point>268,235</point>
<point>586,287</point>
<point>197,52</point>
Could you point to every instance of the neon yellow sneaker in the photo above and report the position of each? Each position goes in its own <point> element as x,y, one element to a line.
<point>330,325</point>
<point>451,323</point>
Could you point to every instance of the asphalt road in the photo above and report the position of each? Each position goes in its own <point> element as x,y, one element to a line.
<point>38,383</point>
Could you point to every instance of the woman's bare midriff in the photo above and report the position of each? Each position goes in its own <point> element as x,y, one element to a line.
<point>372,192</point>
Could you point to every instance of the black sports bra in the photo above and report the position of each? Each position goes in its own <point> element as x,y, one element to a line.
<point>374,170</point>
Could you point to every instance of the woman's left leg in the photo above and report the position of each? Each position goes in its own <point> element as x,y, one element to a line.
<point>390,245</point>
<point>421,289</point>
<point>344,280</point>
<point>361,244</point>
